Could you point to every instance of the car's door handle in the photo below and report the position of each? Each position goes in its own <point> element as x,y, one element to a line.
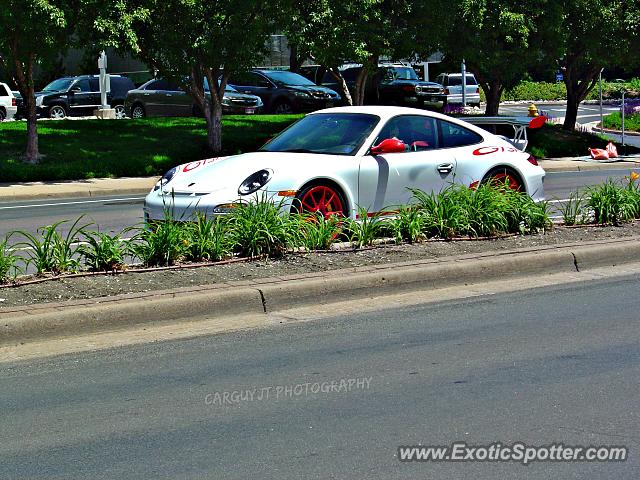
<point>445,168</point>
<point>168,95</point>
<point>147,94</point>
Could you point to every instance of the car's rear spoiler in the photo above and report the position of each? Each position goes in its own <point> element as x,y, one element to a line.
<point>519,124</point>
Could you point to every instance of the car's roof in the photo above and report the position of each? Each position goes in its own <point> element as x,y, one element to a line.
<point>383,111</point>
<point>386,112</point>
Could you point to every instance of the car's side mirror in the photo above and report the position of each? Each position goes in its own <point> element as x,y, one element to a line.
<point>388,145</point>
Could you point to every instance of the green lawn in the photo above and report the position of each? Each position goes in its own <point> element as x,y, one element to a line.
<point>79,149</point>
<point>631,122</point>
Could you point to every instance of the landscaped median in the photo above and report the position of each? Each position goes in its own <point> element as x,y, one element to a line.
<point>258,260</point>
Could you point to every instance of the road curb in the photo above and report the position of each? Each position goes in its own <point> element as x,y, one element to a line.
<point>22,324</point>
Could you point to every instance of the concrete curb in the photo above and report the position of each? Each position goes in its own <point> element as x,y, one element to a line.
<point>267,295</point>
<point>96,187</point>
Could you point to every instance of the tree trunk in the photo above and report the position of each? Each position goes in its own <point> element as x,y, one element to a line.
<point>493,94</point>
<point>27,90</point>
<point>571,112</point>
<point>577,90</point>
<point>342,85</point>
<point>294,61</point>
<point>361,83</point>
<point>213,112</point>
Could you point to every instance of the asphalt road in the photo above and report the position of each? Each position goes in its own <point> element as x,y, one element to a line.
<point>586,113</point>
<point>114,213</point>
<point>557,364</point>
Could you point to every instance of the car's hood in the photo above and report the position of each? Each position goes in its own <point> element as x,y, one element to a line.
<point>239,96</point>
<point>312,88</point>
<point>227,173</point>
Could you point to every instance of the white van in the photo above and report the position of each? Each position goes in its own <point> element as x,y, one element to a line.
<point>8,103</point>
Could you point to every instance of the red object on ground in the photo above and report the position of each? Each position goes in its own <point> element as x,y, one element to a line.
<point>599,154</point>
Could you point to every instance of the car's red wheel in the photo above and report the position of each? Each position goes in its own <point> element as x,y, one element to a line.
<point>322,198</point>
<point>505,176</point>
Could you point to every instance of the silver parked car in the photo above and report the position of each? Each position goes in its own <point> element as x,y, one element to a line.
<point>161,98</point>
<point>452,84</point>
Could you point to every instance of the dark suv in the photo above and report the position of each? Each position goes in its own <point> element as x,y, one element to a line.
<point>81,95</point>
<point>392,84</point>
<point>284,92</point>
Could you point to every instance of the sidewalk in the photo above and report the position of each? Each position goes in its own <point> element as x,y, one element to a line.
<point>140,186</point>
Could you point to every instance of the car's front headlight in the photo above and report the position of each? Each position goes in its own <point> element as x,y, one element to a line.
<point>39,100</point>
<point>166,178</point>
<point>255,182</point>
<point>226,101</point>
<point>259,102</point>
<point>300,93</point>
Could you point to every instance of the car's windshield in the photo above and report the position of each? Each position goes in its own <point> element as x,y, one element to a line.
<point>287,78</point>
<point>58,85</point>
<point>455,80</point>
<point>403,73</point>
<point>329,133</point>
<point>227,88</point>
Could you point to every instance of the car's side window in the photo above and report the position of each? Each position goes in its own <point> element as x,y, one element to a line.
<point>261,81</point>
<point>94,84</point>
<point>457,136</point>
<point>83,85</point>
<point>245,79</point>
<point>418,132</point>
<point>3,91</point>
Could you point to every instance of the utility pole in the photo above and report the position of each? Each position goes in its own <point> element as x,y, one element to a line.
<point>464,84</point>
<point>601,114</point>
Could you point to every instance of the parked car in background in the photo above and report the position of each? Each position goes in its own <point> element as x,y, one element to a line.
<point>161,98</point>
<point>8,103</point>
<point>452,89</point>
<point>21,112</point>
<point>391,84</point>
<point>80,96</point>
<point>284,92</point>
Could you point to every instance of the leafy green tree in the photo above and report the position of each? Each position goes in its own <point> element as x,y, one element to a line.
<point>33,32</point>
<point>498,39</point>
<point>334,32</point>
<point>595,34</point>
<point>190,40</point>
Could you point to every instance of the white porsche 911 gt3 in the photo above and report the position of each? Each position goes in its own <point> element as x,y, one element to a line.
<point>338,160</point>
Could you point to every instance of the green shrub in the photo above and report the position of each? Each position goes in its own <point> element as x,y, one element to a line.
<point>536,91</point>
<point>260,228</point>
<point>366,229</point>
<point>317,231</point>
<point>51,252</point>
<point>574,210</point>
<point>8,263</point>
<point>409,225</point>
<point>613,203</point>
<point>103,252</point>
<point>208,239</point>
<point>614,121</point>
<point>161,243</point>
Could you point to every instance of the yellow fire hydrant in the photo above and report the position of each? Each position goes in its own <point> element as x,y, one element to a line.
<point>533,111</point>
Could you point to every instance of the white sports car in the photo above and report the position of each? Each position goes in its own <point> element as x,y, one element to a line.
<point>338,160</point>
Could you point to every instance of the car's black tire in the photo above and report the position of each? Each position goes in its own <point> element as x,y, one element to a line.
<point>500,175</point>
<point>138,111</point>
<point>57,112</point>
<point>283,107</point>
<point>324,197</point>
<point>3,114</point>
